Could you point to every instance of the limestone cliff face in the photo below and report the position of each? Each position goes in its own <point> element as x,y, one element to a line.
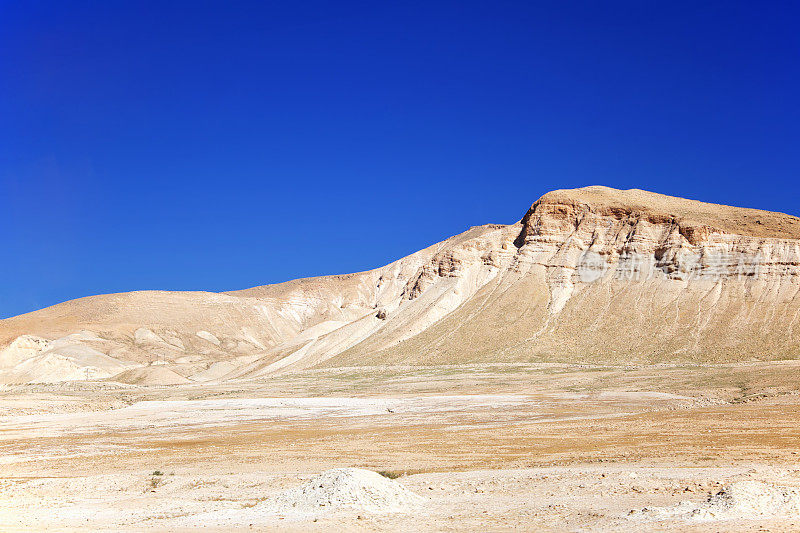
<point>591,274</point>
<point>598,274</point>
<point>584,242</point>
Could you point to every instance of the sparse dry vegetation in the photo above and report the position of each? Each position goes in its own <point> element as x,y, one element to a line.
<point>391,474</point>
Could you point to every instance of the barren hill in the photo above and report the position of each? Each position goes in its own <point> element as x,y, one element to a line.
<point>592,274</point>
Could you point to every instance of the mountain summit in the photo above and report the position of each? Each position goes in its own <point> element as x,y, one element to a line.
<point>592,274</point>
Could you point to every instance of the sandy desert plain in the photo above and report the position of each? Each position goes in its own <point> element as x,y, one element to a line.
<point>487,447</point>
<point>615,361</point>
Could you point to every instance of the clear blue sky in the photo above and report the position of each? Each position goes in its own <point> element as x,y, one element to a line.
<point>220,145</point>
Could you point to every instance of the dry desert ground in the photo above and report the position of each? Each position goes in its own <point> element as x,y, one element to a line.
<point>486,447</point>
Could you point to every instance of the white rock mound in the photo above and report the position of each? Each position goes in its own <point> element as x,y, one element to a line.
<point>21,348</point>
<point>743,500</point>
<point>347,488</point>
<point>31,359</point>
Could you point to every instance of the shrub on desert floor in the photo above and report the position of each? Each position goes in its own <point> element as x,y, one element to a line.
<point>391,474</point>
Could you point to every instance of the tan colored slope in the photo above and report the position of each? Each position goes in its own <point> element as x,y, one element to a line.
<point>149,375</point>
<point>362,288</point>
<point>508,321</point>
<point>169,327</point>
<point>587,274</point>
<point>126,312</point>
<point>171,324</point>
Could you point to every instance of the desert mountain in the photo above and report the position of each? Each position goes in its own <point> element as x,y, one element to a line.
<point>592,274</point>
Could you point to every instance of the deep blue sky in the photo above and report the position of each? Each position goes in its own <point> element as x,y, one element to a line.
<point>221,145</point>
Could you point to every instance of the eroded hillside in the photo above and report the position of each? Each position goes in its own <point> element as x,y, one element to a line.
<point>593,274</point>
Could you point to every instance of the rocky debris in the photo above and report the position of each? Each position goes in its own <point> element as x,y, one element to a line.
<point>346,488</point>
<point>740,500</point>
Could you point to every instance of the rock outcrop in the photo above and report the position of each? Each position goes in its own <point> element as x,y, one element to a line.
<point>593,274</point>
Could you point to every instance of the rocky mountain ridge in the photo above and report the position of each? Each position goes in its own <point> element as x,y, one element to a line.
<point>592,274</point>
